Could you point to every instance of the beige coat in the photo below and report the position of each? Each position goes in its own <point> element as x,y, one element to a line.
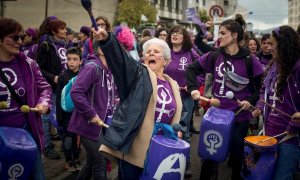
<point>138,151</point>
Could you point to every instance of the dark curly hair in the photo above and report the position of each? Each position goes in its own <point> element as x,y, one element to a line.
<point>288,45</point>
<point>186,43</point>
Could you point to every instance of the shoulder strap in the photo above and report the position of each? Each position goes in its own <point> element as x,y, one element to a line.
<point>47,45</point>
<point>249,67</point>
<point>214,56</point>
<point>11,89</point>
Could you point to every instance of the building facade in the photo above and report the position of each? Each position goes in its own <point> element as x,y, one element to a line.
<point>294,13</point>
<point>31,13</point>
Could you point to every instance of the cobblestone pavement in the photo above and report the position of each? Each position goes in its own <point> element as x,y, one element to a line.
<point>54,169</point>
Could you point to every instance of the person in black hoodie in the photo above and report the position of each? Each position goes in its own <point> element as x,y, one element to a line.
<point>51,57</point>
<point>70,145</point>
<point>232,59</point>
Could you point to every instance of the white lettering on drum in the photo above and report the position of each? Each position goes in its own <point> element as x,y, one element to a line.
<point>166,166</point>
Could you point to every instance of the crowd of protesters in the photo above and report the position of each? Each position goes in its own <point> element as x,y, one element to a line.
<point>121,77</point>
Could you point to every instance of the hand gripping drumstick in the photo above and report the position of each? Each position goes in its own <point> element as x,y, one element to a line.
<point>214,102</point>
<point>27,109</point>
<point>87,4</point>
<point>101,123</point>
<point>230,95</point>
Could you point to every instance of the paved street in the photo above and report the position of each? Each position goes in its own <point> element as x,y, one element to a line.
<point>54,168</point>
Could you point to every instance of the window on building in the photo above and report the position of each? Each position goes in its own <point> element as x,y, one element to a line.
<point>226,2</point>
<point>204,3</point>
<point>177,6</point>
<point>169,5</point>
<point>162,4</point>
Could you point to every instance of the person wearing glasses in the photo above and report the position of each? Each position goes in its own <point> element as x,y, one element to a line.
<point>181,56</point>
<point>102,22</point>
<point>25,77</point>
<point>162,33</point>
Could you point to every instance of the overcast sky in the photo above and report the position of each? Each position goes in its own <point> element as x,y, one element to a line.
<point>266,13</point>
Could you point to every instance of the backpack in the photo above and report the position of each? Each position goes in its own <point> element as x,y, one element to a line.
<point>66,101</point>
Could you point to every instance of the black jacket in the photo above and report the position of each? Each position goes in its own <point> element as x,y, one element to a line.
<point>49,62</point>
<point>135,89</point>
<point>62,116</point>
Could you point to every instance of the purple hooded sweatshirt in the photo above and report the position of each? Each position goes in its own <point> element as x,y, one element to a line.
<point>38,91</point>
<point>288,101</point>
<point>89,101</point>
<point>236,64</point>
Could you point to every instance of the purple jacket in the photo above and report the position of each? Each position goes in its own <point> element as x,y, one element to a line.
<point>89,101</point>
<point>38,92</point>
<point>288,101</point>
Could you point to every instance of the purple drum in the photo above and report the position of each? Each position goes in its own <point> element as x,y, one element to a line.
<point>215,134</point>
<point>259,158</point>
<point>166,158</point>
<point>17,153</point>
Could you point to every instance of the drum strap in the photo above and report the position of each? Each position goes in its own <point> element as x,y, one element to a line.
<point>11,89</point>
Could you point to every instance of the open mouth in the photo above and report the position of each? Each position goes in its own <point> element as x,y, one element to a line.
<point>151,62</point>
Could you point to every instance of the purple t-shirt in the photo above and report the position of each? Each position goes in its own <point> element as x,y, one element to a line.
<point>178,65</point>
<point>12,115</point>
<point>288,101</point>
<point>220,87</point>
<point>166,104</point>
<point>61,52</point>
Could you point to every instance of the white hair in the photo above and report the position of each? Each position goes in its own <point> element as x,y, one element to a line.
<point>162,44</point>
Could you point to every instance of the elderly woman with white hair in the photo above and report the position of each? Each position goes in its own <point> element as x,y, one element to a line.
<point>143,90</point>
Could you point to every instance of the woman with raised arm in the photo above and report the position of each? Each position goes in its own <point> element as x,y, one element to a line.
<point>148,99</point>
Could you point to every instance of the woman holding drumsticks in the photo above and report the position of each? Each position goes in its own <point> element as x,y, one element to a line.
<point>281,90</point>
<point>22,75</point>
<point>228,69</point>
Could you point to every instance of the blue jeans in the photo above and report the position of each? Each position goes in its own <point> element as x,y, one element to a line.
<point>188,104</point>
<point>288,161</point>
<point>46,124</point>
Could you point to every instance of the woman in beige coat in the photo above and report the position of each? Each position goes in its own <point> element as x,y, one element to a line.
<point>143,91</point>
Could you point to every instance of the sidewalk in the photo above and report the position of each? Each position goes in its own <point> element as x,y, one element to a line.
<point>54,169</point>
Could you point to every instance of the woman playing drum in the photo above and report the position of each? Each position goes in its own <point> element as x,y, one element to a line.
<point>281,90</point>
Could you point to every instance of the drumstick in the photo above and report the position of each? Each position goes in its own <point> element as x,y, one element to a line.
<point>27,109</point>
<point>230,95</point>
<point>283,113</point>
<point>213,101</point>
<point>101,123</point>
<point>270,138</point>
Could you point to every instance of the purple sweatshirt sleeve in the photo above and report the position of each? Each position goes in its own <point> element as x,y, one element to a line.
<point>84,84</point>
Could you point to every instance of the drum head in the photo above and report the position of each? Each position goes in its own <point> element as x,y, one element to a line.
<point>256,141</point>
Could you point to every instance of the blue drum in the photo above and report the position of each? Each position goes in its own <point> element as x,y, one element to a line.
<point>166,159</point>
<point>259,158</point>
<point>17,153</point>
<point>215,134</point>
